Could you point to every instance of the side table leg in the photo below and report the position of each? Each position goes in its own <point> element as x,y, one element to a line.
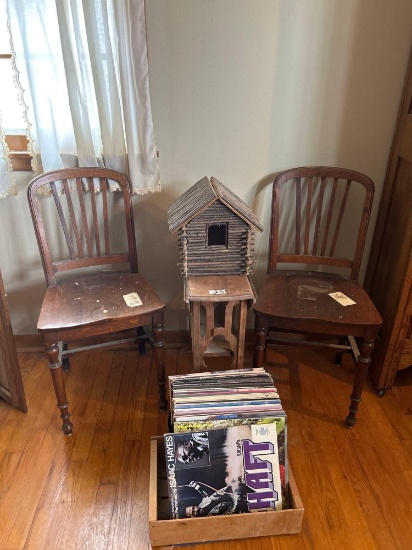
<point>260,338</point>
<point>159,353</point>
<point>241,335</point>
<point>196,346</point>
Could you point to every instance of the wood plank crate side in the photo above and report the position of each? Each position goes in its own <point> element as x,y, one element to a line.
<point>166,532</point>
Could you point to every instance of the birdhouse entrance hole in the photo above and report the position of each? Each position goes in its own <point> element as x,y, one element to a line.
<point>217,235</point>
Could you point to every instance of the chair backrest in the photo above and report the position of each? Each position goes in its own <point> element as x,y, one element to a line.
<point>88,222</point>
<point>320,216</point>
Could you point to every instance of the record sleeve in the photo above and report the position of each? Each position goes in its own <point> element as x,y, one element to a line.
<point>231,470</point>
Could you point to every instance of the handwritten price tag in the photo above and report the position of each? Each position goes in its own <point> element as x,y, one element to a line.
<point>132,299</point>
<point>342,298</point>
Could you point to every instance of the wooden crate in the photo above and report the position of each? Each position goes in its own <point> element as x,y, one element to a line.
<point>166,532</point>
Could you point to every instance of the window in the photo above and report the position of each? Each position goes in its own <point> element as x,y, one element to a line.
<point>11,111</point>
<point>217,235</point>
<point>82,82</point>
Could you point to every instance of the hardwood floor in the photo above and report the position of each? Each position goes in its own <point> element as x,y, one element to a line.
<point>90,491</point>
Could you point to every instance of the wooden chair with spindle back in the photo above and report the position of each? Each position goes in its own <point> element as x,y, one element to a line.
<point>309,209</point>
<point>91,302</point>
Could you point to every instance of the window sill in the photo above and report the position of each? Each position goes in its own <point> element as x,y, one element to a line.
<point>21,161</point>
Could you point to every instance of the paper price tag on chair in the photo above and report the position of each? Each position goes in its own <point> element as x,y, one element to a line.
<point>132,299</point>
<point>342,298</point>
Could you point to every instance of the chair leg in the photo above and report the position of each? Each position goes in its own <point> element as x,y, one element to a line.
<point>65,360</point>
<point>159,352</point>
<point>260,341</point>
<point>361,367</point>
<point>141,339</point>
<point>339,355</point>
<point>59,388</point>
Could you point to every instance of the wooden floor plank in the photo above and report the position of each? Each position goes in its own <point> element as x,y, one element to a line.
<point>123,402</point>
<point>90,490</point>
<point>18,506</point>
<point>138,532</point>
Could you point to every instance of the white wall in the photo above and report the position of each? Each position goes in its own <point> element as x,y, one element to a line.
<point>242,89</point>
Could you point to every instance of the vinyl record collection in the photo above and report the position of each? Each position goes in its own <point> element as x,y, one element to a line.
<point>227,450</point>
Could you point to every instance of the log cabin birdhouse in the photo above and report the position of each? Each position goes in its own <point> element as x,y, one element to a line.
<point>215,228</point>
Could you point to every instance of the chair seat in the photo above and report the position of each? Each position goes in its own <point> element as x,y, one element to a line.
<point>290,299</point>
<point>96,299</point>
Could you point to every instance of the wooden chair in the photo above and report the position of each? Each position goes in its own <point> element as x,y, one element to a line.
<point>90,302</point>
<point>313,211</point>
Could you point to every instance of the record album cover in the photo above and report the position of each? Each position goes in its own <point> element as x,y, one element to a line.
<point>229,470</point>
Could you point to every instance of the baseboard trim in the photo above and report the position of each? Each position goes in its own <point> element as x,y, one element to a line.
<point>28,343</point>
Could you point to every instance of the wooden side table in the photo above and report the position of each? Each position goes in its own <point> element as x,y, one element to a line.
<point>209,291</point>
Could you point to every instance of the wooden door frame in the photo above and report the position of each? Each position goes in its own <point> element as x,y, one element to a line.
<point>14,393</point>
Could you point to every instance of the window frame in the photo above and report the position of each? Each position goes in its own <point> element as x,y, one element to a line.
<point>18,144</point>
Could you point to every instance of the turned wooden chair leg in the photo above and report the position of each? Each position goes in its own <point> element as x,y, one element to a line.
<point>361,371</point>
<point>159,352</point>
<point>59,388</point>
<point>260,339</point>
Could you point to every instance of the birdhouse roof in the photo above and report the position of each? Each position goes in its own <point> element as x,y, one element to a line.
<point>200,196</point>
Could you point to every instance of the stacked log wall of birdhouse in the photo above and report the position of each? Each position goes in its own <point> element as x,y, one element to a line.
<point>199,258</point>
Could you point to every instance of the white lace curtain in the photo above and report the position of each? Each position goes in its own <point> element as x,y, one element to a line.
<point>82,74</point>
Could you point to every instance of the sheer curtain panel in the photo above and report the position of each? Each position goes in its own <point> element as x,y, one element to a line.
<point>81,67</point>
